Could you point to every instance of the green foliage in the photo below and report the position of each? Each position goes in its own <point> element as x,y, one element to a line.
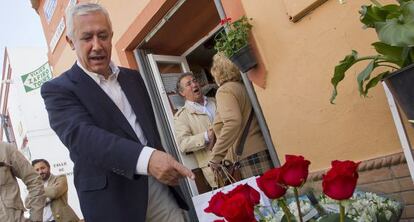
<point>394,25</point>
<point>237,37</point>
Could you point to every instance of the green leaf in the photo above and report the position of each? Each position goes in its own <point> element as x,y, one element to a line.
<point>236,37</point>
<point>382,218</point>
<point>284,219</point>
<point>334,218</point>
<point>398,31</point>
<point>390,53</point>
<point>340,70</point>
<point>364,75</point>
<point>406,56</point>
<point>371,14</point>
<point>411,54</point>
<point>374,81</point>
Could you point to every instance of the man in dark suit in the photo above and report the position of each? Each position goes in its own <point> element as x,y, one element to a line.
<point>103,114</point>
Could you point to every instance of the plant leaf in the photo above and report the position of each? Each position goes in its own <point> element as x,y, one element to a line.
<point>340,69</point>
<point>398,31</point>
<point>390,53</point>
<point>364,75</point>
<point>406,56</point>
<point>371,14</point>
<point>284,219</point>
<point>374,81</point>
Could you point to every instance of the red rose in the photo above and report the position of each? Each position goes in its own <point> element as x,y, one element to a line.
<point>252,196</point>
<point>271,183</point>
<point>225,21</point>
<point>215,205</point>
<point>340,181</point>
<point>238,208</point>
<point>236,205</point>
<point>295,170</point>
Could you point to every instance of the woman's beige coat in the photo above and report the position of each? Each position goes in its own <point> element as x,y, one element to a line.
<point>233,109</point>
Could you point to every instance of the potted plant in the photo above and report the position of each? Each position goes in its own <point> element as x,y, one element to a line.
<point>394,25</point>
<point>234,43</point>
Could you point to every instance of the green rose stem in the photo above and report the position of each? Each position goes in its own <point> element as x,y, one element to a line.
<point>258,212</point>
<point>298,204</point>
<point>282,204</point>
<point>341,212</point>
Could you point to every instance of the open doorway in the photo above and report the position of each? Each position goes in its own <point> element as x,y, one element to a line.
<point>181,42</point>
<point>166,70</point>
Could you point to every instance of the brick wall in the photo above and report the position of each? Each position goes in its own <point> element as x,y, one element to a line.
<point>387,176</point>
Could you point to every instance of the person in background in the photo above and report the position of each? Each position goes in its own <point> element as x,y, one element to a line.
<point>56,192</point>
<point>193,123</point>
<point>103,114</point>
<point>233,110</point>
<point>14,165</point>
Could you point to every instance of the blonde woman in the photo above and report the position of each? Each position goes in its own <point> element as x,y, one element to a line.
<point>233,110</point>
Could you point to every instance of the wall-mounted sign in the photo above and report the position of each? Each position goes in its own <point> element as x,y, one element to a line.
<point>58,33</point>
<point>49,9</point>
<point>35,79</point>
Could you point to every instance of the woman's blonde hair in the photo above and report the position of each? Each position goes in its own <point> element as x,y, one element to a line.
<point>223,70</point>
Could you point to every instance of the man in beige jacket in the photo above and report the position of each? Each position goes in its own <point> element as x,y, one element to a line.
<point>193,121</point>
<point>14,165</point>
<point>56,191</point>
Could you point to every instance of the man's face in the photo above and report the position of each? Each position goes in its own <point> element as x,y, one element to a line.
<point>190,89</point>
<point>92,41</point>
<point>42,169</point>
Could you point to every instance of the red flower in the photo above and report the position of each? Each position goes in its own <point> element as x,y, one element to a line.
<point>236,205</point>
<point>238,208</point>
<point>295,170</point>
<point>340,181</point>
<point>225,20</point>
<point>271,183</point>
<point>215,205</point>
<point>252,196</point>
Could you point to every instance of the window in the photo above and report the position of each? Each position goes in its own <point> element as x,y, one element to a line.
<point>49,8</point>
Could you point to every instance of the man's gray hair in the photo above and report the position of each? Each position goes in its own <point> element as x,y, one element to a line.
<point>179,87</point>
<point>83,9</point>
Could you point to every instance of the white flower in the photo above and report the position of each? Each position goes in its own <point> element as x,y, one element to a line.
<point>388,214</point>
<point>364,206</point>
<point>342,2</point>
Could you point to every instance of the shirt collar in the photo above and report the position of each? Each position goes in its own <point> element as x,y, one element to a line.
<point>198,104</point>
<point>48,179</point>
<point>99,78</point>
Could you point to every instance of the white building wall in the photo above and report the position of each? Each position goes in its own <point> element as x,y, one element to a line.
<point>29,118</point>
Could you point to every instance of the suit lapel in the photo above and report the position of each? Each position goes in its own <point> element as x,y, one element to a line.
<point>95,96</point>
<point>51,180</point>
<point>134,94</point>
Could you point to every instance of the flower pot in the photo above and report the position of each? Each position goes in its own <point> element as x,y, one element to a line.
<point>244,59</point>
<point>400,84</point>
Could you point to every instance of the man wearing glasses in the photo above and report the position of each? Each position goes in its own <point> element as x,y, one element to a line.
<point>193,123</point>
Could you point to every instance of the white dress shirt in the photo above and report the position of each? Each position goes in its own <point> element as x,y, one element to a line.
<point>47,211</point>
<point>112,88</point>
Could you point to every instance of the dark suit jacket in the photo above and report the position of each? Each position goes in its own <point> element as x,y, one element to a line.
<point>102,144</point>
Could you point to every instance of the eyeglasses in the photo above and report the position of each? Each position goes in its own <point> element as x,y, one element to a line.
<point>187,84</point>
